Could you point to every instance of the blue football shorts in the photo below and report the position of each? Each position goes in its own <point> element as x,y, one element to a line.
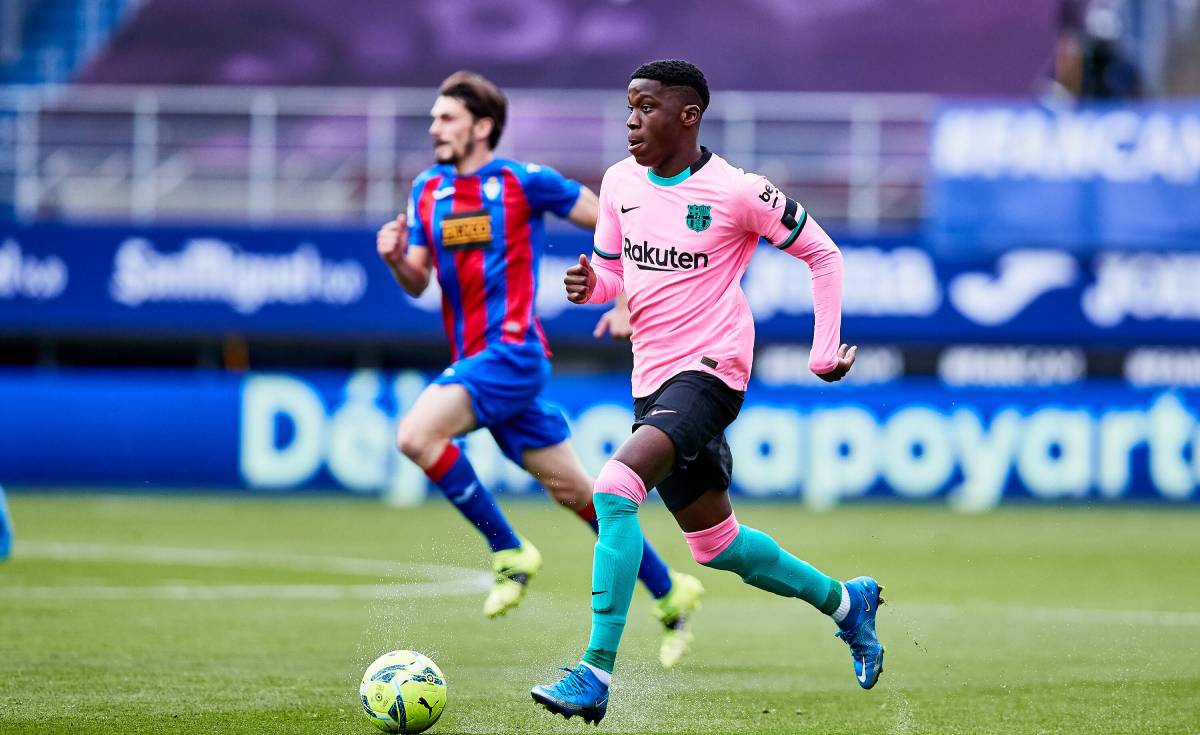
<point>506,382</point>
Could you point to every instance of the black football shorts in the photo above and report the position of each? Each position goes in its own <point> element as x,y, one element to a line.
<point>693,408</point>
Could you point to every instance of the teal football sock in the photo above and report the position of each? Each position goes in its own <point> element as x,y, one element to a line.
<point>614,572</point>
<point>759,561</point>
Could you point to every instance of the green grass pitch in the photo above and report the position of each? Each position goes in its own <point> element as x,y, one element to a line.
<point>123,614</point>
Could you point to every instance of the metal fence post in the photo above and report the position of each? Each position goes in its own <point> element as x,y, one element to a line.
<point>263,142</point>
<point>25,169</point>
<point>381,157</point>
<point>90,32</point>
<point>740,130</point>
<point>615,143</point>
<point>12,19</point>
<point>144,200</point>
<point>866,133</point>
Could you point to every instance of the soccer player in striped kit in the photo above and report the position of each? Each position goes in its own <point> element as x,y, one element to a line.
<point>476,220</point>
<point>677,226</point>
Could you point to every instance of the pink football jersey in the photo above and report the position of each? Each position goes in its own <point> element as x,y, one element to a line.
<point>679,246</point>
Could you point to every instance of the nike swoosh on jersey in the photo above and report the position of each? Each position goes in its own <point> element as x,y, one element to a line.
<point>443,192</point>
<point>657,411</point>
<point>626,211</point>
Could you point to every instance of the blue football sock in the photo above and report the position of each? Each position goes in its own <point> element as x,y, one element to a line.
<point>455,477</point>
<point>654,573</point>
<point>5,528</point>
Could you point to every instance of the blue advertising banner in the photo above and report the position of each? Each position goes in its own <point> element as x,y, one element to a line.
<point>300,432</point>
<point>330,284</point>
<point>1094,176</point>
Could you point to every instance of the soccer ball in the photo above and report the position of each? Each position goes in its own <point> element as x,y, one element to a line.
<point>403,691</point>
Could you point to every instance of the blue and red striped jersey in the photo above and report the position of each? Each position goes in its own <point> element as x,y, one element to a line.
<point>486,230</point>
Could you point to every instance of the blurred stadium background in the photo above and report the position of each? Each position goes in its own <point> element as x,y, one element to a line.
<point>189,190</point>
<point>190,301</point>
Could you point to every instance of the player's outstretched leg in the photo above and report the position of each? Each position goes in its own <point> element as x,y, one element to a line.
<point>584,690</point>
<point>676,595</point>
<point>5,528</point>
<point>760,562</point>
<point>514,560</point>
<point>441,412</point>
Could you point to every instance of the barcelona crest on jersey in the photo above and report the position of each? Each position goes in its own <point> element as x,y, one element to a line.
<point>699,217</point>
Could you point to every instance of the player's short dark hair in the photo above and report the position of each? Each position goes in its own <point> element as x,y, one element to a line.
<point>675,73</point>
<point>480,97</point>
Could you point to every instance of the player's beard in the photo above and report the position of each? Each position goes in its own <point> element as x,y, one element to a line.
<point>455,156</point>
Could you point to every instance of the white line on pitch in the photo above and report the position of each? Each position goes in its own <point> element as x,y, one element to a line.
<point>443,579</point>
<point>168,555</point>
<point>244,591</point>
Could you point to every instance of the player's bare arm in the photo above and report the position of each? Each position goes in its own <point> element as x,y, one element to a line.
<point>584,211</point>
<point>410,268</point>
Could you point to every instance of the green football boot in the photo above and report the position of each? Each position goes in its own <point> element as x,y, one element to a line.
<point>674,611</point>
<point>514,568</point>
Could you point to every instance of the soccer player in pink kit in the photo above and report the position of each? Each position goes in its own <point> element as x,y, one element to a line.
<point>475,222</point>
<point>677,226</point>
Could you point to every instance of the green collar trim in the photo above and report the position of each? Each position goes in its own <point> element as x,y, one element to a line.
<point>683,175</point>
<point>678,178</point>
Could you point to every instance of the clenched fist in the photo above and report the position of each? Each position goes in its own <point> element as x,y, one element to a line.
<point>845,361</point>
<point>391,242</point>
<point>580,281</point>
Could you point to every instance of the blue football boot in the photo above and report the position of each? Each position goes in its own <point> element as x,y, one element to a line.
<point>5,529</point>
<point>577,693</point>
<point>858,630</point>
